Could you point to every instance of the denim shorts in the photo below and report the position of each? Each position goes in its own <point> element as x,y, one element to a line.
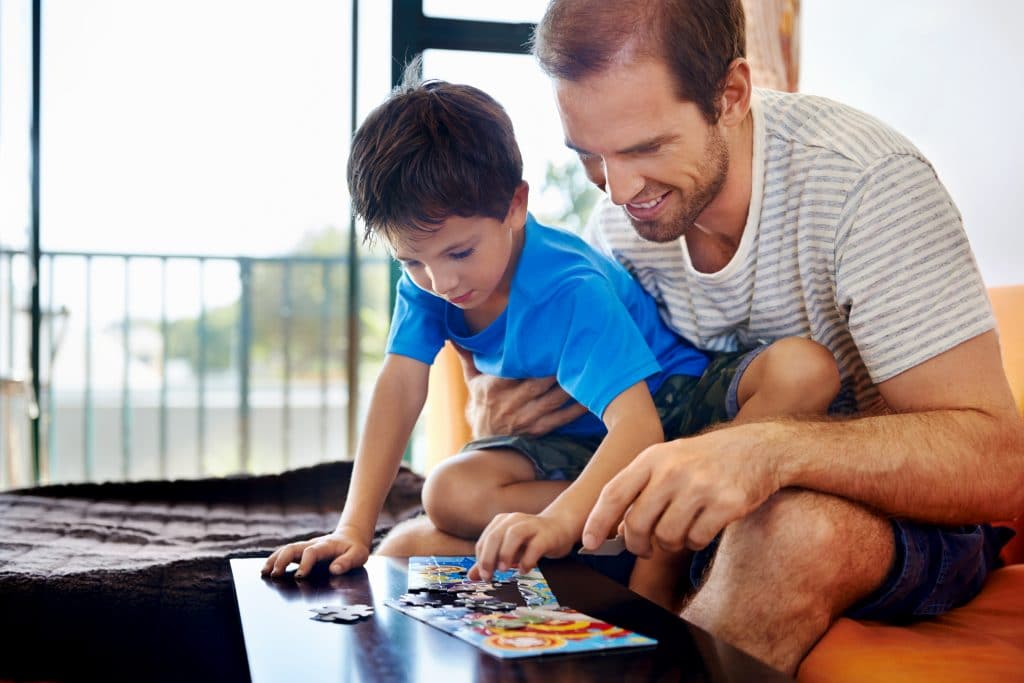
<point>934,569</point>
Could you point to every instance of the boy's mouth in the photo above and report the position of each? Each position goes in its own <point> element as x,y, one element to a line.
<point>461,299</point>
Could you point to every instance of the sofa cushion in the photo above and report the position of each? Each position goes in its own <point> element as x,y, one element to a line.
<point>981,641</point>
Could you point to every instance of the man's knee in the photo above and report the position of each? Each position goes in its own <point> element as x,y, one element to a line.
<point>815,539</point>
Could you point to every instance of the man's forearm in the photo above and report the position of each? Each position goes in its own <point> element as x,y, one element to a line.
<point>944,466</point>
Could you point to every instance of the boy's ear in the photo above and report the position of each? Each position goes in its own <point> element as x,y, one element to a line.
<point>516,217</point>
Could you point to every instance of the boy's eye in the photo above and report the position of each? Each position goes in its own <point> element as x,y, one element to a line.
<point>409,265</point>
<point>459,255</point>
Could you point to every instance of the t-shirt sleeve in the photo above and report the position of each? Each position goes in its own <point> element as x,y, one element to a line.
<point>417,323</point>
<point>602,352</point>
<point>905,273</point>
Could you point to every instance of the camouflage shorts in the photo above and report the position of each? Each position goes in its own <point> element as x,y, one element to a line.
<point>685,405</point>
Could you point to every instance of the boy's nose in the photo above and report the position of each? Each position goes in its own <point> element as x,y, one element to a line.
<point>444,281</point>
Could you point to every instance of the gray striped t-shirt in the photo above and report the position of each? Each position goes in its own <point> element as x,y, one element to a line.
<point>851,240</point>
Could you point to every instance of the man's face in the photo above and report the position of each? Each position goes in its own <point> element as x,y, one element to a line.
<point>654,155</point>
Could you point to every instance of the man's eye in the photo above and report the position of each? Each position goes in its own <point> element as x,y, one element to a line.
<point>459,255</point>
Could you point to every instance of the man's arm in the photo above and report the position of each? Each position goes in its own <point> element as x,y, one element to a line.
<point>953,452</point>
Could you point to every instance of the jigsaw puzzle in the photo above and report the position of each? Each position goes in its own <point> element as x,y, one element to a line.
<point>516,615</point>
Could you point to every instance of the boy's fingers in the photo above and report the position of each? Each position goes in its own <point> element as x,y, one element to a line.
<point>268,566</point>
<point>487,549</point>
<point>534,550</point>
<point>309,557</point>
<point>345,561</point>
<point>283,559</point>
<point>516,537</point>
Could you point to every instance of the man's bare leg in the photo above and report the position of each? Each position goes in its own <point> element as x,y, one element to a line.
<point>663,578</point>
<point>785,572</point>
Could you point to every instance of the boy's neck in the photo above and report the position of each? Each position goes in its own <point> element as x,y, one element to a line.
<point>486,313</point>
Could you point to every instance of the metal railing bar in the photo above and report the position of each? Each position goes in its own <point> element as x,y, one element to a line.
<point>10,313</point>
<point>8,372</point>
<point>88,417</point>
<point>201,379</point>
<point>163,368</point>
<point>351,309</point>
<point>126,412</point>
<point>50,414</point>
<point>325,325</point>
<point>226,258</point>
<point>244,361</point>
<point>286,352</point>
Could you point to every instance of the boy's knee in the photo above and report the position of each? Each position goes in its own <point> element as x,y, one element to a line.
<point>405,540</point>
<point>806,367</point>
<point>446,493</point>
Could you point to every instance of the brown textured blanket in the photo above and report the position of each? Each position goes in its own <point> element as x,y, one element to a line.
<point>131,581</point>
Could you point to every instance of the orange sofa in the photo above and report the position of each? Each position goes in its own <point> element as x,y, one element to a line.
<point>981,641</point>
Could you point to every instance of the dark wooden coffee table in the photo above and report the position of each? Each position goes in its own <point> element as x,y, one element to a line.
<point>283,644</point>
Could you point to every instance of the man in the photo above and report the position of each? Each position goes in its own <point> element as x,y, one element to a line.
<point>756,215</point>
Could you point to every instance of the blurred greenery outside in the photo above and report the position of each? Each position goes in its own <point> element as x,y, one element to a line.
<point>568,197</point>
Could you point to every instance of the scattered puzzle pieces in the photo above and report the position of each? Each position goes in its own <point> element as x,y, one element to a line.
<point>342,614</point>
<point>420,599</point>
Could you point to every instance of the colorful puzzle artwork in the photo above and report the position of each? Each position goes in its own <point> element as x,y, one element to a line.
<point>515,615</point>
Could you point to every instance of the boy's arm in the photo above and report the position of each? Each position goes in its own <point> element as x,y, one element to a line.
<point>396,402</point>
<point>520,540</point>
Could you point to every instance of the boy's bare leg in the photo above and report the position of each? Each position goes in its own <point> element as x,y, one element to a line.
<point>793,376</point>
<point>466,491</point>
<point>419,536</point>
<point>662,578</point>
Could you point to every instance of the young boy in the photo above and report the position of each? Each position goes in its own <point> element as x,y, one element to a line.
<point>437,173</point>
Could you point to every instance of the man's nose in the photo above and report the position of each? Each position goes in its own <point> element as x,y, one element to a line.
<point>620,182</point>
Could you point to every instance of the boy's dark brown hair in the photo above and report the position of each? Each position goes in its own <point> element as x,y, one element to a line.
<point>432,150</point>
<point>697,39</point>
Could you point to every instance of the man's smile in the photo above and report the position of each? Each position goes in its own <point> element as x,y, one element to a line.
<point>646,210</point>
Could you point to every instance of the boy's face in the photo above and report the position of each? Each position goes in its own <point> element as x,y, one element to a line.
<point>467,261</point>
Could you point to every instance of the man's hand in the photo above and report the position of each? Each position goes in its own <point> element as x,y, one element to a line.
<point>680,494</point>
<point>516,539</point>
<point>527,407</point>
<point>344,547</point>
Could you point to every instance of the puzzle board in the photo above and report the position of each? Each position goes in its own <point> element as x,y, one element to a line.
<point>515,615</point>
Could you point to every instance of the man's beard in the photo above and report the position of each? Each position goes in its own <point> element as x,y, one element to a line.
<point>671,227</point>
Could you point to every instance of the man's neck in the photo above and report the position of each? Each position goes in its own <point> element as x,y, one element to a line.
<point>719,228</point>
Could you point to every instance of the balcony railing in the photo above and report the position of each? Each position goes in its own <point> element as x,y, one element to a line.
<point>177,365</point>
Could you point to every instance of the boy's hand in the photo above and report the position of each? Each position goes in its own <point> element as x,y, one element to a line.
<point>519,540</point>
<point>344,547</point>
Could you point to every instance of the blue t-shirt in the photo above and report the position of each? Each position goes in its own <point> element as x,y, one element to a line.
<point>572,313</point>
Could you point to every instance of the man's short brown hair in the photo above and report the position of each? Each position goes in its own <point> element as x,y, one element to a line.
<point>432,150</point>
<point>697,40</point>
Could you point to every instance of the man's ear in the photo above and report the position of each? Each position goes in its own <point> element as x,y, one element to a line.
<point>516,216</point>
<point>736,94</point>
